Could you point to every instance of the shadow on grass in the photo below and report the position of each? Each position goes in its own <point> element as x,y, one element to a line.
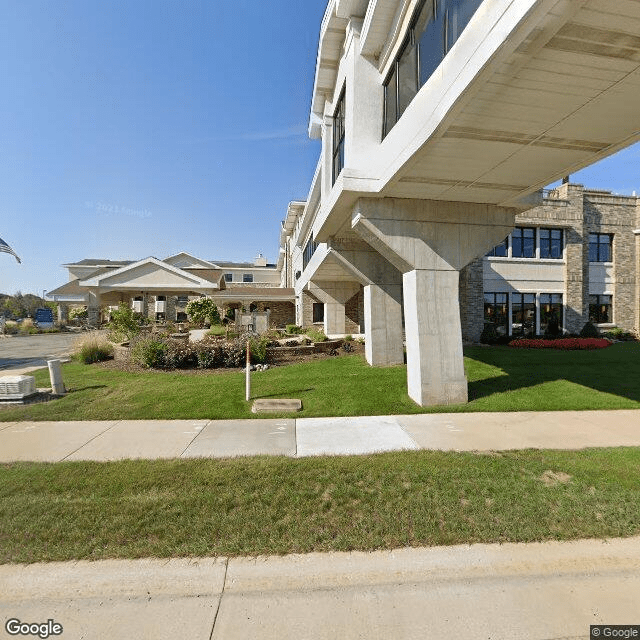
<point>88,388</point>
<point>614,370</point>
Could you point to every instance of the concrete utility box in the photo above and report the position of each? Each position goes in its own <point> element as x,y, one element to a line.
<point>17,387</point>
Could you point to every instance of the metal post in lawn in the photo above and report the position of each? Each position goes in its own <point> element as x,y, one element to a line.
<point>248,375</point>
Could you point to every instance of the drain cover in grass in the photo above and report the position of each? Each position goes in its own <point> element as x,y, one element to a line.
<point>276,405</point>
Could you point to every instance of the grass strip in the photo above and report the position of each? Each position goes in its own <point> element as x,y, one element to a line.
<point>500,379</point>
<point>251,506</point>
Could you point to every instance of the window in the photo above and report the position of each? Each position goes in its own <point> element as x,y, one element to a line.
<point>551,310</point>
<point>496,311</point>
<point>523,314</point>
<point>600,247</point>
<point>551,243</point>
<point>523,243</point>
<point>500,250</point>
<point>247,277</point>
<point>309,250</point>
<point>436,26</point>
<point>600,309</point>
<point>182,300</point>
<point>161,298</point>
<point>318,312</point>
<point>228,277</point>
<point>338,138</point>
<point>181,316</point>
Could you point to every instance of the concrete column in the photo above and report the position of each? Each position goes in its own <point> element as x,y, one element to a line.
<point>334,295</point>
<point>383,325</point>
<point>382,298</point>
<point>435,369</point>
<point>430,242</point>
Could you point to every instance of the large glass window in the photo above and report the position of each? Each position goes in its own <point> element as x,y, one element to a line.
<point>551,309</point>
<point>247,277</point>
<point>600,247</point>
<point>338,138</point>
<point>551,243</point>
<point>600,309</point>
<point>496,311</point>
<point>228,277</point>
<point>500,250</point>
<point>523,243</point>
<point>436,26</point>
<point>523,314</point>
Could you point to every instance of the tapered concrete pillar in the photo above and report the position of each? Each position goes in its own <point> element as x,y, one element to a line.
<point>429,242</point>
<point>383,325</point>
<point>435,370</point>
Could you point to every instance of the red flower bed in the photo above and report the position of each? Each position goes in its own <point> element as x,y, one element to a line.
<point>565,344</point>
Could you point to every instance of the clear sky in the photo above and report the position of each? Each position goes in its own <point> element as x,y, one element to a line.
<point>148,127</point>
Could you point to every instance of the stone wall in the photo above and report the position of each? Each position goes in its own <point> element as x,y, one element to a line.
<point>579,212</point>
<point>354,313</point>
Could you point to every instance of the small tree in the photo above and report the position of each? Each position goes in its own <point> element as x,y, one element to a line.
<point>202,310</point>
<point>125,323</point>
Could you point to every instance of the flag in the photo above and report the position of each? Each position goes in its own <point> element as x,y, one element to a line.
<point>4,247</point>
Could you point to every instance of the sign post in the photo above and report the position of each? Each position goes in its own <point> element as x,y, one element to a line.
<point>248,375</point>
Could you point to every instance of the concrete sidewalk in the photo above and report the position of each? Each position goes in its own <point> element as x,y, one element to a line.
<point>537,591</point>
<point>118,439</point>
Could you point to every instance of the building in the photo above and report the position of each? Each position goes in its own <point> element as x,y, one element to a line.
<point>571,260</point>
<point>441,121</point>
<point>161,289</point>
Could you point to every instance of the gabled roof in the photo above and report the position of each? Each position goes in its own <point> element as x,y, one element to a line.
<point>243,265</point>
<point>101,279</point>
<point>194,260</point>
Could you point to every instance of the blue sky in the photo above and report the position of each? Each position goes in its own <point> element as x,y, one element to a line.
<point>144,128</point>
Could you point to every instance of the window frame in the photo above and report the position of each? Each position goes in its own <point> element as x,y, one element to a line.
<point>596,318</point>
<point>506,326</point>
<point>599,245</point>
<point>228,277</point>
<point>522,240</point>
<point>338,137</point>
<point>550,231</point>
<point>247,277</point>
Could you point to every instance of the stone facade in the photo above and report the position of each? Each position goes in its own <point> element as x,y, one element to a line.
<point>354,311</point>
<point>578,212</point>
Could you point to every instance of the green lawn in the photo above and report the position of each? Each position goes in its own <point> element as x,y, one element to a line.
<point>500,379</point>
<point>251,506</point>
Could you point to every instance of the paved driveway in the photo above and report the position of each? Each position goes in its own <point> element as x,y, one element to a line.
<point>18,352</point>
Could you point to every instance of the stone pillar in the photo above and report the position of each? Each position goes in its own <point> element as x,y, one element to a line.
<point>430,242</point>
<point>93,309</point>
<point>383,325</point>
<point>334,295</point>
<point>63,313</point>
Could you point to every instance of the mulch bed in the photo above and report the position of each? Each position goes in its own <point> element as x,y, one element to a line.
<point>283,360</point>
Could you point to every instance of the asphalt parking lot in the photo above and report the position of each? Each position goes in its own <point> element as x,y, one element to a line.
<point>18,352</point>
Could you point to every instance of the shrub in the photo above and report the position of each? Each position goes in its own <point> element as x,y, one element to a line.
<point>316,335</point>
<point>258,348</point>
<point>150,352</point>
<point>615,333</point>
<point>489,334</point>
<point>27,327</point>
<point>589,331</point>
<point>293,329</point>
<point>125,324</point>
<point>78,313</point>
<point>11,327</point>
<point>565,344</point>
<point>202,311</point>
<point>216,330</point>
<point>348,338</point>
<point>92,349</point>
